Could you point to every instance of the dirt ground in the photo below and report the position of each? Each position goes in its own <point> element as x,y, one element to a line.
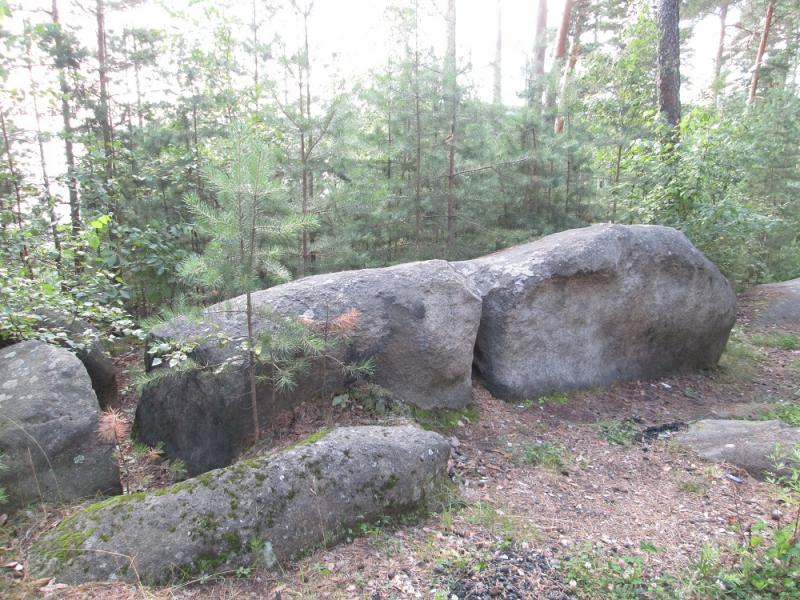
<point>536,484</point>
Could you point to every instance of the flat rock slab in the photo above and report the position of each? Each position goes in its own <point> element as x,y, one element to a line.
<point>589,307</point>
<point>260,512</point>
<point>748,445</point>
<point>781,304</point>
<point>48,418</point>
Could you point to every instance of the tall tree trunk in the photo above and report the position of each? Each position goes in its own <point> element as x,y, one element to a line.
<point>559,52</point>
<point>723,17</point>
<point>762,46</point>
<point>418,134</point>
<point>539,51</point>
<point>104,116</point>
<point>255,26</point>
<point>304,241</point>
<point>49,199</point>
<point>668,57</point>
<point>69,152</point>
<point>574,52</point>
<point>137,79</point>
<point>15,181</point>
<point>452,90</point>
<point>498,57</point>
<point>306,141</point>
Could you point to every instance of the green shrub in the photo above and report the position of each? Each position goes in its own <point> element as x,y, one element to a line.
<point>621,433</point>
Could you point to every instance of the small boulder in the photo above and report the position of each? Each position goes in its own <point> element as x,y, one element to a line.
<point>779,304</point>
<point>749,445</point>
<point>589,307</point>
<point>260,512</point>
<point>98,364</point>
<point>48,418</point>
<point>416,321</point>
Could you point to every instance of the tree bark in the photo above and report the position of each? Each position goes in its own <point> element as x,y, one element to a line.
<point>69,152</point>
<point>539,51</point>
<point>574,52</point>
<point>559,52</point>
<point>452,90</point>
<point>498,57</point>
<point>668,57</point>
<point>418,132</point>
<point>15,179</point>
<point>103,116</point>
<point>49,199</point>
<point>762,46</point>
<point>723,17</point>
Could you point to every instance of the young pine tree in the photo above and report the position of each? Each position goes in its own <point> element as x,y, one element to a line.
<point>251,226</point>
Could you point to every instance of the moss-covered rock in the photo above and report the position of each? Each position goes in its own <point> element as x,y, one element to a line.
<point>264,511</point>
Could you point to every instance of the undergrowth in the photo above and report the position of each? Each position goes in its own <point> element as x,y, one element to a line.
<point>761,565</point>
<point>783,341</point>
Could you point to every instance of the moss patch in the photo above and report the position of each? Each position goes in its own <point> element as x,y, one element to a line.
<point>310,439</point>
<point>444,419</point>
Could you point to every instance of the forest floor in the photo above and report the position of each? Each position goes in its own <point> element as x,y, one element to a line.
<point>542,486</point>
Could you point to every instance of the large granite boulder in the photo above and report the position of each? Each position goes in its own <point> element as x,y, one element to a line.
<point>261,512</point>
<point>48,418</point>
<point>588,307</point>
<point>416,321</point>
<point>749,445</point>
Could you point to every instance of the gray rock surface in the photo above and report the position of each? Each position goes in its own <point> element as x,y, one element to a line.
<point>418,323</point>
<point>748,445</point>
<point>98,364</point>
<point>48,418</point>
<point>781,304</point>
<point>260,512</point>
<point>589,307</point>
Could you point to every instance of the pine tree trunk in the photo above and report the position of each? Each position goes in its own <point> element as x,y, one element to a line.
<point>255,28</point>
<point>723,17</point>
<point>452,90</point>
<point>103,116</point>
<point>137,79</point>
<point>49,199</point>
<point>539,51</point>
<point>252,369</point>
<point>559,52</point>
<point>497,94</point>
<point>668,57</point>
<point>762,46</point>
<point>418,132</point>
<point>574,52</point>
<point>69,152</point>
<point>15,181</point>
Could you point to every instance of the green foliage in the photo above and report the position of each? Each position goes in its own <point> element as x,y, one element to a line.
<point>444,419</point>
<point>250,223</point>
<point>767,565</point>
<point>44,310</point>
<point>621,433</point>
<point>788,413</point>
<point>741,357</point>
<point>784,341</point>
<point>592,575</point>
<point>545,454</point>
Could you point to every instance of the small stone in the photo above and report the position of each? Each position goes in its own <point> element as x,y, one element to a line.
<point>776,515</point>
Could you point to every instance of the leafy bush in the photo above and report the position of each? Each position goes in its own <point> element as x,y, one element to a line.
<point>28,305</point>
